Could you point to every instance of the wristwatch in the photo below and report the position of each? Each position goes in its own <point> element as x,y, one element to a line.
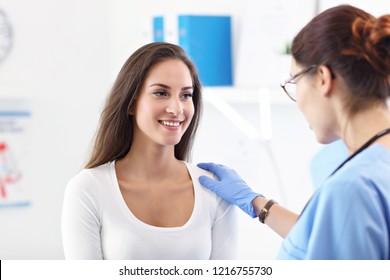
<point>264,212</point>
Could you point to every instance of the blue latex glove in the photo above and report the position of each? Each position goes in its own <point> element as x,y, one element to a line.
<point>229,186</point>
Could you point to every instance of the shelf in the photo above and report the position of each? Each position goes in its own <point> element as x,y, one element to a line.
<point>246,94</point>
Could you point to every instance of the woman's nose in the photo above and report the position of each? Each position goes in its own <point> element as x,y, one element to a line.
<point>174,106</point>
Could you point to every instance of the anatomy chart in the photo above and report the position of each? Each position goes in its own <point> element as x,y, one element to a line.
<point>14,129</point>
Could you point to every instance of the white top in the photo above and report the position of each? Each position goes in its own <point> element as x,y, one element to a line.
<point>97,224</point>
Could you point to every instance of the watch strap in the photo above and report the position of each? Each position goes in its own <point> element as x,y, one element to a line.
<point>265,210</point>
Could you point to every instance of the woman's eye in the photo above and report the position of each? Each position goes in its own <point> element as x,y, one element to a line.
<point>160,94</point>
<point>187,95</point>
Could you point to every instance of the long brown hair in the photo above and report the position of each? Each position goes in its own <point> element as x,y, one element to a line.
<point>353,44</point>
<point>115,133</point>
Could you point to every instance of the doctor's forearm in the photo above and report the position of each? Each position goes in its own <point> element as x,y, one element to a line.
<point>279,219</point>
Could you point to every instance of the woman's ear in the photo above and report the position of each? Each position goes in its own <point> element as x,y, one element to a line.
<point>326,79</point>
<point>132,108</point>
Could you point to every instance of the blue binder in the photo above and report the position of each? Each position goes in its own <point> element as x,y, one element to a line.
<point>158,29</point>
<point>207,41</point>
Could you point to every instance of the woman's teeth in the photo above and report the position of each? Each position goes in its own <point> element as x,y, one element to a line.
<point>170,123</point>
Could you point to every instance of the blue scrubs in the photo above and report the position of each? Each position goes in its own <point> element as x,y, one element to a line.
<point>348,217</point>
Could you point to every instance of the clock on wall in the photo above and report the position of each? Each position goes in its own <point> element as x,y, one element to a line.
<point>5,36</point>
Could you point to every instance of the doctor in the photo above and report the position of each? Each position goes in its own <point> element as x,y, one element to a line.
<point>340,79</point>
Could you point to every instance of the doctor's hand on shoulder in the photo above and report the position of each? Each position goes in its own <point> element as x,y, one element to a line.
<point>229,186</point>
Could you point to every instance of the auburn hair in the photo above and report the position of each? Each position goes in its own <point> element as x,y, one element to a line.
<point>353,44</point>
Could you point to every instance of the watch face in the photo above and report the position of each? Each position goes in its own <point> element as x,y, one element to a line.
<point>5,36</point>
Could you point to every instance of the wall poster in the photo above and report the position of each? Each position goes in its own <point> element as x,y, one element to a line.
<point>15,122</point>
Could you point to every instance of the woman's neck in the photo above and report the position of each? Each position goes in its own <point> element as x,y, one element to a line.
<point>149,162</point>
<point>358,129</point>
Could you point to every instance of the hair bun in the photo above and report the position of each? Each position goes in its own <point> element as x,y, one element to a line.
<point>372,42</point>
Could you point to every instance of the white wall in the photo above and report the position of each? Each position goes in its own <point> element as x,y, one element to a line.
<point>66,55</point>
<point>278,169</point>
<point>59,63</point>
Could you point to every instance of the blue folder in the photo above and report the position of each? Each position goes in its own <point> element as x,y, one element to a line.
<point>158,29</point>
<point>207,41</point>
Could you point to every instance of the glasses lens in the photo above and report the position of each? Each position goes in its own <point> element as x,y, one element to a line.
<point>291,90</point>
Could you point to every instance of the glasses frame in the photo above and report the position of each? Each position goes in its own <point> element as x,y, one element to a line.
<point>292,80</point>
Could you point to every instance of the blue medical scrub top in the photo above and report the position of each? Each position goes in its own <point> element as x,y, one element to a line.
<point>327,159</point>
<point>348,217</point>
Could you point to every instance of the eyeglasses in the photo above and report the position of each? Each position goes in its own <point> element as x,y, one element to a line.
<point>289,86</point>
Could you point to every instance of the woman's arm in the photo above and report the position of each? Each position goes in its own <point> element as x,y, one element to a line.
<point>80,224</point>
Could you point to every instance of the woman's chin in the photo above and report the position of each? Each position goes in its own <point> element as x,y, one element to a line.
<point>323,139</point>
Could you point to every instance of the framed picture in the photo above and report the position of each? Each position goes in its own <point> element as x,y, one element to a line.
<point>15,116</point>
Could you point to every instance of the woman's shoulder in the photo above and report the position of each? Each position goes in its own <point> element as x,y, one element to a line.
<point>207,194</point>
<point>197,171</point>
<point>89,178</point>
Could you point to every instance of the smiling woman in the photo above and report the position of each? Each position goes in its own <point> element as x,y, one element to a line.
<point>138,197</point>
<point>165,108</point>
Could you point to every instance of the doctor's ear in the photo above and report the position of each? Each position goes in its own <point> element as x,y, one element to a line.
<point>326,76</point>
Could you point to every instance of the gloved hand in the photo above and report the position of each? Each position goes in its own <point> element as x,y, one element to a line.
<point>229,186</point>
